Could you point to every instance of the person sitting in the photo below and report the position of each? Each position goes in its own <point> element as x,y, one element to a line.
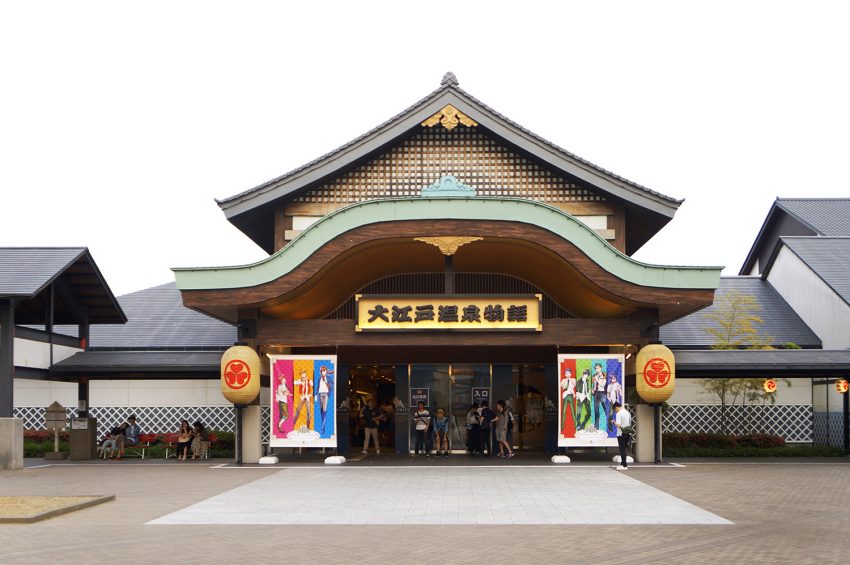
<point>110,442</point>
<point>200,440</point>
<point>130,437</point>
<point>184,441</point>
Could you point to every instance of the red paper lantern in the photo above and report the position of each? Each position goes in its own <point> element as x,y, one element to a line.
<point>769,385</point>
<point>841,386</point>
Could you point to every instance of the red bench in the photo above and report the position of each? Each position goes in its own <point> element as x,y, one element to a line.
<point>169,441</point>
<point>140,449</point>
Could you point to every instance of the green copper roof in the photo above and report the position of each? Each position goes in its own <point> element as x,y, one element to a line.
<point>432,208</point>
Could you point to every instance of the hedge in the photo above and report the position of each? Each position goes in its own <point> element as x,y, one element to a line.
<point>790,451</point>
<point>721,441</point>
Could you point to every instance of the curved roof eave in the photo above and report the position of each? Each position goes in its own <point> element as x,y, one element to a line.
<point>401,209</point>
<point>397,126</point>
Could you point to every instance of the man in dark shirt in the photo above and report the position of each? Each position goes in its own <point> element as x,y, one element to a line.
<point>370,414</point>
<point>487,416</point>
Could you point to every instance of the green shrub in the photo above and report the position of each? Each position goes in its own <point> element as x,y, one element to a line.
<point>39,448</point>
<point>721,441</point>
<point>787,451</point>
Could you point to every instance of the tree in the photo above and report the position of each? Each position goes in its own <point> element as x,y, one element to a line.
<point>735,315</point>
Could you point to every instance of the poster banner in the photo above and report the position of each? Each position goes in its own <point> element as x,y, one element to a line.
<point>588,387</point>
<point>303,398</point>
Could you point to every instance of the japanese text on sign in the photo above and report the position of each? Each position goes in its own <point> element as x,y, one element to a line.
<point>448,312</point>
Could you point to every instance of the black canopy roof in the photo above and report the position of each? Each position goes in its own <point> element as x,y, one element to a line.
<point>80,293</point>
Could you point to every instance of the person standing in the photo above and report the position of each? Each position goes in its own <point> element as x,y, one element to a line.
<point>622,419</point>
<point>370,414</point>
<point>441,431</point>
<point>421,420</point>
<point>501,422</point>
<point>487,416</point>
<point>583,392</point>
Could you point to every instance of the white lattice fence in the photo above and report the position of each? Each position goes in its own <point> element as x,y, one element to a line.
<point>152,419</point>
<point>794,422</point>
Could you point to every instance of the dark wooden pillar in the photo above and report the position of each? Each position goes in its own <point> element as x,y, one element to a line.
<point>450,274</point>
<point>648,320</point>
<point>7,358</point>
<point>83,397</point>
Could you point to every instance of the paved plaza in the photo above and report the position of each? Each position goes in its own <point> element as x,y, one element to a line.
<point>202,512</point>
<point>444,495</point>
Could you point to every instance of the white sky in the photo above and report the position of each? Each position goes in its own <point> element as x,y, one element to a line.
<point>120,122</point>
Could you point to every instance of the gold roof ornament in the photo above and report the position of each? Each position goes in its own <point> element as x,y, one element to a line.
<point>449,117</point>
<point>448,245</point>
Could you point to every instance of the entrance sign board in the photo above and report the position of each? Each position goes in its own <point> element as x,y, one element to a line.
<point>448,312</point>
<point>480,394</point>
<point>588,387</point>
<point>303,398</point>
<point>418,395</point>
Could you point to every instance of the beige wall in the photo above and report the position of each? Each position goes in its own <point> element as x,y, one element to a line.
<point>36,354</point>
<point>689,391</point>
<point>193,392</point>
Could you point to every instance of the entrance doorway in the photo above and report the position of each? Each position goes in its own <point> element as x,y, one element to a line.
<point>528,405</point>
<point>376,382</point>
<point>454,387</point>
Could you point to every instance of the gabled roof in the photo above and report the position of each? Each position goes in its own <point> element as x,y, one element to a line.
<point>157,319</point>
<point>244,208</point>
<point>780,321</point>
<point>811,216</point>
<point>827,257</point>
<point>26,272</point>
<point>826,216</point>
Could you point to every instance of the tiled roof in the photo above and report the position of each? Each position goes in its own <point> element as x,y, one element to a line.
<point>24,271</point>
<point>148,361</point>
<point>158,319</point>
<point>780,322</point>
<point>447,84</point>
<point>762,362</point>
<point>827,216</point>
<point>828,257</point>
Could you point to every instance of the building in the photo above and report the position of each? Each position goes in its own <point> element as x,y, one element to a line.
<point>449,205</point>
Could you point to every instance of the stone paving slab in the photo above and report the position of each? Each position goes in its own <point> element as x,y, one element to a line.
<point>449,495</point>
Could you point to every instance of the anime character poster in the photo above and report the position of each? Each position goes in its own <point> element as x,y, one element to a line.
<point>588,387</point>
<point>303,399</point>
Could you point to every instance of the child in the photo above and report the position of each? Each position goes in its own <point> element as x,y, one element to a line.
<point>441,430</point>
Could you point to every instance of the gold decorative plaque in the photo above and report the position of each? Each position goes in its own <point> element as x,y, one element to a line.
<point>449,117</point>
<point>448,245</point>
<point>448,312</point>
